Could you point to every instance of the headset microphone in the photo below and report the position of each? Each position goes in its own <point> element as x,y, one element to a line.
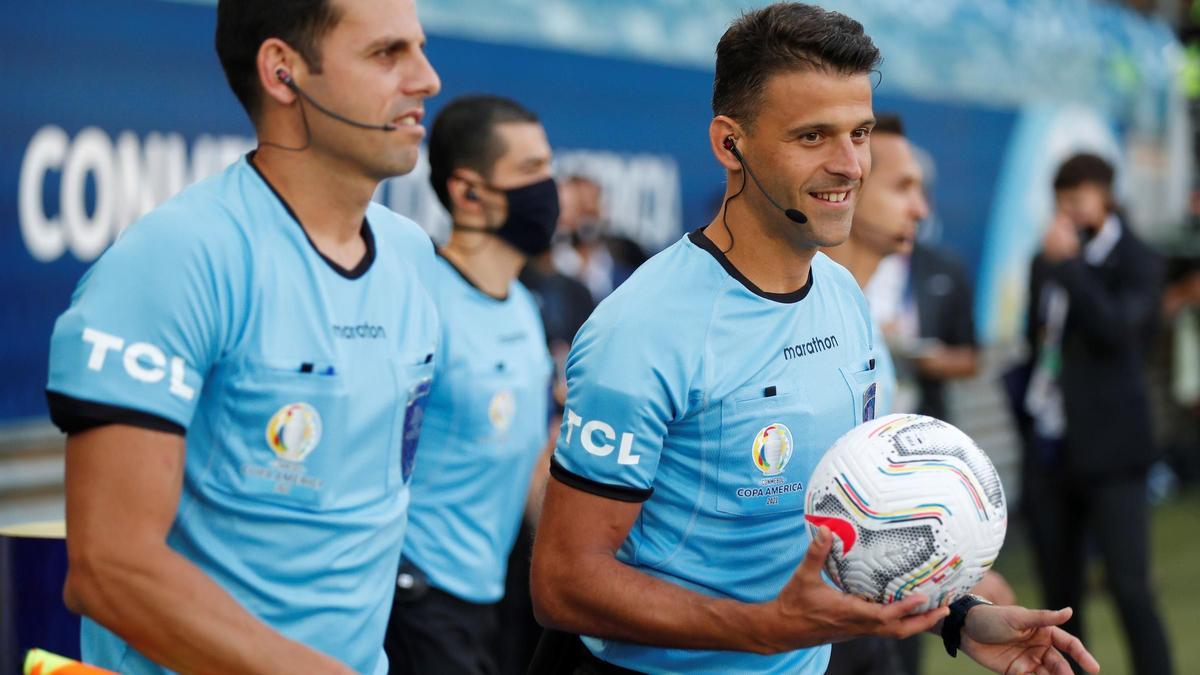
<point>793,214</point>
<point>286,78</point>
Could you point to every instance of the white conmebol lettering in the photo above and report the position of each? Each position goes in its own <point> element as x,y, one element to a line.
<point>129,177</point>
<point>143,361</point>
<point>91,153</point>
<point>603,449</point>
<point>43,235</point>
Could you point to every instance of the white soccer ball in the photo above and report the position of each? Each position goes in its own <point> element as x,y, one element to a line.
<point>915,507</point>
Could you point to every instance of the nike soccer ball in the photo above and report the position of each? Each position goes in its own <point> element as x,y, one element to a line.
<point>914,506</point>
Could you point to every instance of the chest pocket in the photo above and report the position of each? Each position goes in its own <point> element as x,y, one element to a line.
<point>760,468</point>
<point>497,406</point>
<point>862,379</point>
<point>285,432</point>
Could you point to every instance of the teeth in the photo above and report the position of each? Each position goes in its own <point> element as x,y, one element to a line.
<point>834,197</point>
<point>408,120</point>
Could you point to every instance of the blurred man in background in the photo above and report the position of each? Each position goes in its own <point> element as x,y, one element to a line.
<point>485,425</point>
<point>241,375</point>
<point>1093,300</point>
<point>588,249</point>
<point>891,205</point>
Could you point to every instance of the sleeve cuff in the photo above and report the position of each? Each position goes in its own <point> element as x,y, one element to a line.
<point>73,415</point>
<point>622,493</point>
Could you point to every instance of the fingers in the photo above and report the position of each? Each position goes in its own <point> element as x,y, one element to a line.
<point>1038,618</point>
<point>919,623</point>
<point>1070,645</point>
<point>904,607</point>
<point>1055,663</point>
<point>818,551</point>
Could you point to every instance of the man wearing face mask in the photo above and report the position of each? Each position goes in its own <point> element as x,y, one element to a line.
<point>486,422</point>
<point>1094,292</point>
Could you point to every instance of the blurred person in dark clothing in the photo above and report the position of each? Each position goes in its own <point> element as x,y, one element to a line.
<point>891,205</point>
<point>565,304</point>
<point>923,301</point>
<point>1179,361</point>
<point>587,248</point>
<point>1093,302</point>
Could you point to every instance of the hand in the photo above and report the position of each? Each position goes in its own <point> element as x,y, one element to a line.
<point>1015,641</point>
<point>810,612</point>
<point>1061,240</point>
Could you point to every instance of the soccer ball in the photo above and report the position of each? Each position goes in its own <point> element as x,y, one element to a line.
<point>914,506</point>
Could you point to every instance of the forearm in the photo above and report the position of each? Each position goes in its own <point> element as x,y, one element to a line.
<point>1109,317</point>
<point>600,596</point>
<point>170,611</point>
<point>951,362</point>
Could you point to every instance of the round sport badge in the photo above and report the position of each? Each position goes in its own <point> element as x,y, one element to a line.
<point>772,449</point>
<point>294,431</point>
<point>501,410</point>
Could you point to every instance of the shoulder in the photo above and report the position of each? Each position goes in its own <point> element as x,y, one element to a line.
<point>835,278</point>
<point>204,227</point>
<point>401,236</point>
<point>679,284</point>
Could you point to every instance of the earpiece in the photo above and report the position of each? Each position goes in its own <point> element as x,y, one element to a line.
<point>283,76</point>
<point>728,143</point>
<point>471,195</point>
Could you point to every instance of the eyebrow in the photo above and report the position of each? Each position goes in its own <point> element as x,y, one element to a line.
<point>826,127</point>
<point>390,43</point>
<point>534,162</point>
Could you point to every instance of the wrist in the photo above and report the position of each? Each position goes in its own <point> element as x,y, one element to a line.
<point>756,625</point>
<point>953,624</point>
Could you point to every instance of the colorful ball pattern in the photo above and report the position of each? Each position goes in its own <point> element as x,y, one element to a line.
<point>915,507</point>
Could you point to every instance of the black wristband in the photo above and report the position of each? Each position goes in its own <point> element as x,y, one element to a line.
<point>953,624</point>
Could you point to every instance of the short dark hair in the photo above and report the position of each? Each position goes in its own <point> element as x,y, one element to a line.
<point>243,25</point>
<point>1084,167</point>
<point>782,37</point>
<point>464,136</point>
<point>888,123</point>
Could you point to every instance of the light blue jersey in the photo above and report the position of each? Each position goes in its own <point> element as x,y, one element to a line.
<point>299,384</point>
<point>485,426</point>
<point>712,401</point>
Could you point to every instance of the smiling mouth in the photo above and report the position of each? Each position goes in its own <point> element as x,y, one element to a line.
<point>831,197</point>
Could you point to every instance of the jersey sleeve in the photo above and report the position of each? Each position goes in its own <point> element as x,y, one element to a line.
<point>146,323</point>
<point>624,388</point>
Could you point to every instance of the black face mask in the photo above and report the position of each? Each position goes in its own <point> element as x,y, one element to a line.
<point>532,216</point>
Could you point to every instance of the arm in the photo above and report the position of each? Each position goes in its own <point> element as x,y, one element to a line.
<point>541,473</point>
<point>580,586</point>
<point>947,362</point>
<point>123,485</point>
<point>1018,640</point>
<point>1107,318</point>
<point>1111,318</point>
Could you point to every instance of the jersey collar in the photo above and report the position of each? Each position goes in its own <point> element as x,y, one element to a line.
<point>368,236</point>
<point>701,240</point>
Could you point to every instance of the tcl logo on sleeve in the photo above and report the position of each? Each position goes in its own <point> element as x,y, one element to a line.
<point>143,361</point>
<point>596,429</point>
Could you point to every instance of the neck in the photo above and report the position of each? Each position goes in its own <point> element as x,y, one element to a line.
<point>329,200</point>
<point>861,261</point>
<point>763,254</point>
<point>486,261</point>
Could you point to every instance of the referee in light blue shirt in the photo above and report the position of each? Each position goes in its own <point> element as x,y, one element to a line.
<point>241,376</point>
<point>486,424</point>
<point>703,391</point>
